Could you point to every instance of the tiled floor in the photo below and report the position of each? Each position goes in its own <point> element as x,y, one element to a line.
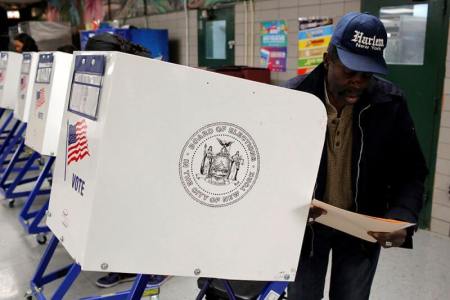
<point>421,274</point>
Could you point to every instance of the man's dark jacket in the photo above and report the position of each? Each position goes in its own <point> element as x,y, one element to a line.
<point>388,167</point>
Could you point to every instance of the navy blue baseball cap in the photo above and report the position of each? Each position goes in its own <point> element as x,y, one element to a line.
<point>360,40</point>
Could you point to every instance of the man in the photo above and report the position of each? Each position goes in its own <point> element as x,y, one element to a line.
<point>371,163</point>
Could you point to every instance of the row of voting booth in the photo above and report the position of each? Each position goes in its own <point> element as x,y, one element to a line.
<point>223,167</point>
<point>33,111</point>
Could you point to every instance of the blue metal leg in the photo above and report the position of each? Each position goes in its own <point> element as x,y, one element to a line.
<point>230,291</point>
<point>137,291</point>
<point>25,214</point>
<point>227,285</point>
<point>138,287</point>
<point>3,128</point>
<point>7,121</point>
<point>13,141</point>
<point>39,280</point>
<point>204,288</point>
<point>26,180</point>
<point>34,227</point>
<point>8,142</point>
<point>11,164</point>
<point>9,192</point>
<point>71,272</point>
<point>277,287</point>
<point>67,282</point>
<point>22,159</point>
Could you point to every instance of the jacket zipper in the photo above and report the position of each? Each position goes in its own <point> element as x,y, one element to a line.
<point>360,156</point>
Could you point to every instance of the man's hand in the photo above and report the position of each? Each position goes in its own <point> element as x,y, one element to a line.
<point>390,239</point>
<point>314,213</point>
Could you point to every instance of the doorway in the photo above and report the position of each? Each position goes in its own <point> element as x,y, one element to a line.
<point>216,37</point>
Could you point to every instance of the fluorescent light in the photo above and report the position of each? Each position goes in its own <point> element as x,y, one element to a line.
<point>13,14</point>
<point>397,11</point>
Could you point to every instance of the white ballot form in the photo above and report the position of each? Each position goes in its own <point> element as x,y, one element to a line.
<point>10,63</point>
<point>25,86</point>
<point>48,101</point>
<point>167,169</point>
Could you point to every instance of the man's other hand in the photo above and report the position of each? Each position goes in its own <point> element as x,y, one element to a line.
<point>390,239</point>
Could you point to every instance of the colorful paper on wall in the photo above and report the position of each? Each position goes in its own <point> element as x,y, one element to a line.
<point>274,45</point>
<point>312,43</point>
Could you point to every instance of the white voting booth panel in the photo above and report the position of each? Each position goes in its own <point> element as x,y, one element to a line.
<point>25,86</point>
<point>10,63</point>
<point>48,102</point>
<point>166,169</point>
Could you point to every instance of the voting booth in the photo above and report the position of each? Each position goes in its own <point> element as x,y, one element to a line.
<point>48,99</point>
<point>10,63</point>
<point>25,86</point>
<point>174,170</point>
<point>10,129</point>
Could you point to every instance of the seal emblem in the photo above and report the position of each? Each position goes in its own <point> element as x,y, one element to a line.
<point>219,164</point>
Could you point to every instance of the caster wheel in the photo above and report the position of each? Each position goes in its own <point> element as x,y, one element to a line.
<point>11,203</point>
<point>41,239</point>
<point>28,295</point>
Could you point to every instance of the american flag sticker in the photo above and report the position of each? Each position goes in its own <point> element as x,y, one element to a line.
<point>77,142</point>
<point>40,97</point>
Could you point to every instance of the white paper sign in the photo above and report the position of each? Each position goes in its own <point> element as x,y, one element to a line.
<point>44,71</point>
<point>86,85</point>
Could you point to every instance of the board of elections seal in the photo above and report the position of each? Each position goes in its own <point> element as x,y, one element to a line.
<point>219,164</point>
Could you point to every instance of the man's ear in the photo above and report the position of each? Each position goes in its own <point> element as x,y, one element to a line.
<point>326,60</point>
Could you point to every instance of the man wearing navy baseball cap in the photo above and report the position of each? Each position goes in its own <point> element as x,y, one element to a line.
<point>371,162</point>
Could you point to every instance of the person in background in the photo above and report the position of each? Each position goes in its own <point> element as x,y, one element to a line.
<point>111,42</point>
<point>371,162</point>
<point>67,49</point>
<point>24,43</point>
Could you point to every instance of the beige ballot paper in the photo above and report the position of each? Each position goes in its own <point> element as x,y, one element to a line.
<point>356,224</point>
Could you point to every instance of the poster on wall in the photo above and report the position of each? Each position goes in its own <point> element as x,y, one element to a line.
<point>313,39</point>
<point>274,45</point>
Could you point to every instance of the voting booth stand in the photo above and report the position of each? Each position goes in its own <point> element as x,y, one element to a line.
<point>70,273</point>
<point>44,121</point>
<point>23,98</point>
<point>9,80</point>
<point>11,130</point>
<point>219,165</point>
<point>7,123</point>
<point>9,137</point>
